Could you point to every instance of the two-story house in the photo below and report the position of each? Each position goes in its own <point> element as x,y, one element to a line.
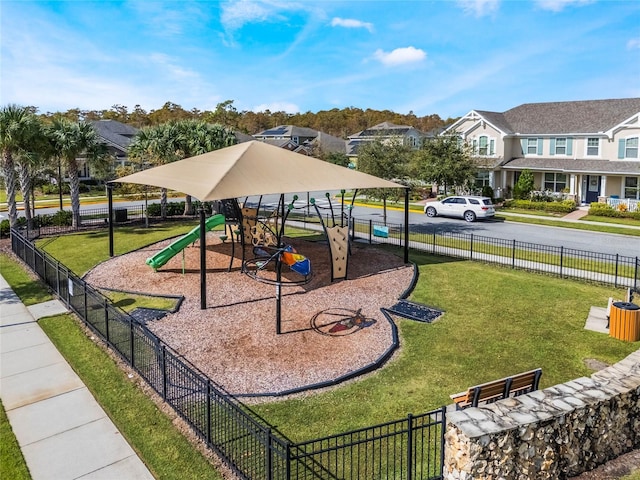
<point>587,149</point>
<point>385,132</point>
<point>301,139</point>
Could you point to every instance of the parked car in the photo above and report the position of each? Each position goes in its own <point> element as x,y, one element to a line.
<point>468,207</point>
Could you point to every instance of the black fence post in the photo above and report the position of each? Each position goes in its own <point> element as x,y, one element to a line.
<point>635,275</point>
<point>86,309</point>
<point>58,278</point>
<point>561,259</point>
<point>287,452</point>
<point>471,248</point>
<point>410,447</point>
<point>106,319</point>
<point>131,340</point>
<point>615,283</point>
<point>433,244</point>
<point>208,412</point>
<point>268,467</point>
<point>163,367</point>
<point>513,254</point>
<point>370,230</point>
<point>443,411</point>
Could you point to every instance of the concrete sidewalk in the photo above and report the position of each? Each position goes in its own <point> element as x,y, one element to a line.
<point>61,429</point>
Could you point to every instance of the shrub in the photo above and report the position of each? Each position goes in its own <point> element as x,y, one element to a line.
<point>606,210</point>
<point>175,208</point>
<point>524,185</point>
<point>566,206</point>
<point>487,191</point>
<point>51,189</point>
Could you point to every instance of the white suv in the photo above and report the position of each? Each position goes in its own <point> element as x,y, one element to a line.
<point>468,207</point>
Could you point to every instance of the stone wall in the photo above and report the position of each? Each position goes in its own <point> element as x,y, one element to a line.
<point>553,433</point>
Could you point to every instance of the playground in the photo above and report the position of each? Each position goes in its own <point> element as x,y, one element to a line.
<point>329,329</point>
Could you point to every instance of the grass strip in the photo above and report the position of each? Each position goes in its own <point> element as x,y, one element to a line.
<point>605,227</point>
<point>12,464</point>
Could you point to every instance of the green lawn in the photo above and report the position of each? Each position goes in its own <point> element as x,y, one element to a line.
<point>82,251</point>
<point>497,322</point>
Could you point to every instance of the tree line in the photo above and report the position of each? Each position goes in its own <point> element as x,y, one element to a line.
<point>337,122</point>
<point>32,146</point>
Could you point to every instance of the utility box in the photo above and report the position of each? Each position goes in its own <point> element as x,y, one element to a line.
<point>120,215</point>
<point>624,321</point>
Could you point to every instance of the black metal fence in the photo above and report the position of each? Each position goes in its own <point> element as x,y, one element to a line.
<point>613,269</point>
<point>409,449</point>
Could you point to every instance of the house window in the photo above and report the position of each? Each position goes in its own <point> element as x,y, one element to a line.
<point>484,146</point>
<point>632,187</point>
<point>482,180</point>
<point>561,146</point>
<point>631,148</point>
<point>532,146</point>
<point>593,147</point>
<point>556,182</point>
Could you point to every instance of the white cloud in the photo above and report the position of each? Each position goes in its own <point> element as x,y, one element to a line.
<point>633,44</point>
<point>168,64</point>
<point>559,5</point>
<point>400,56</point>
<point>351,23</point>
<point>277,107</point>
<point>235,14</point>
<point>479,8</point>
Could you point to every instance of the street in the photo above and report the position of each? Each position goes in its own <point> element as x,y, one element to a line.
<point>543,235</point>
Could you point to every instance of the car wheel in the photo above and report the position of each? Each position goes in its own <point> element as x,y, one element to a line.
<point>431,212</point>
<point>469,216</point>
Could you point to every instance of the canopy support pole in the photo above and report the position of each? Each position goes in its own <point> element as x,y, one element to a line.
<point>110,219</point>
<point>280,234</point>
<point>203,260</point>
<point>406,225</point>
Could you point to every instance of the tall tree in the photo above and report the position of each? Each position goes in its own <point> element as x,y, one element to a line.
<point>152,146</point>
<point>196,137</point>
<point>388,160</point>
<point>445,161</point>
<point>70,140</point>
<point>168,142</point>
<point>18,127</point>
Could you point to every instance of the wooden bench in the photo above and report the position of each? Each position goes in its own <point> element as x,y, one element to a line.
<point>498,389</point>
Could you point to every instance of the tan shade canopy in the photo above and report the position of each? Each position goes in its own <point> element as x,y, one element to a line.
<point>253,168</point>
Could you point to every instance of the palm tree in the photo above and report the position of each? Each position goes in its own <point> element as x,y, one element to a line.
<point>168,142</point>
<point>155,145</point>
<point>197,137</point>
<point>17,130</point>
<point>70,140</point>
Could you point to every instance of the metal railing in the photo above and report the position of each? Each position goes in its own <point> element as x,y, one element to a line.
<point>613,269</point>
<point>406,449</point>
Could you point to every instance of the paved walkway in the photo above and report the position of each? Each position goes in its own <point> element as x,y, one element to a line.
<point>63,432</point>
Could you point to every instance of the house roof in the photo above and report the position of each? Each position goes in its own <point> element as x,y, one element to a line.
<point>384,129</point>
<point>116,134</point>
<point>571,165</point>
<point>589,116</point>
<point>288,131</point>
<point>329,143</point>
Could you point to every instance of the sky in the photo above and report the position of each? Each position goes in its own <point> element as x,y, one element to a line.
<point>443,57</point>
